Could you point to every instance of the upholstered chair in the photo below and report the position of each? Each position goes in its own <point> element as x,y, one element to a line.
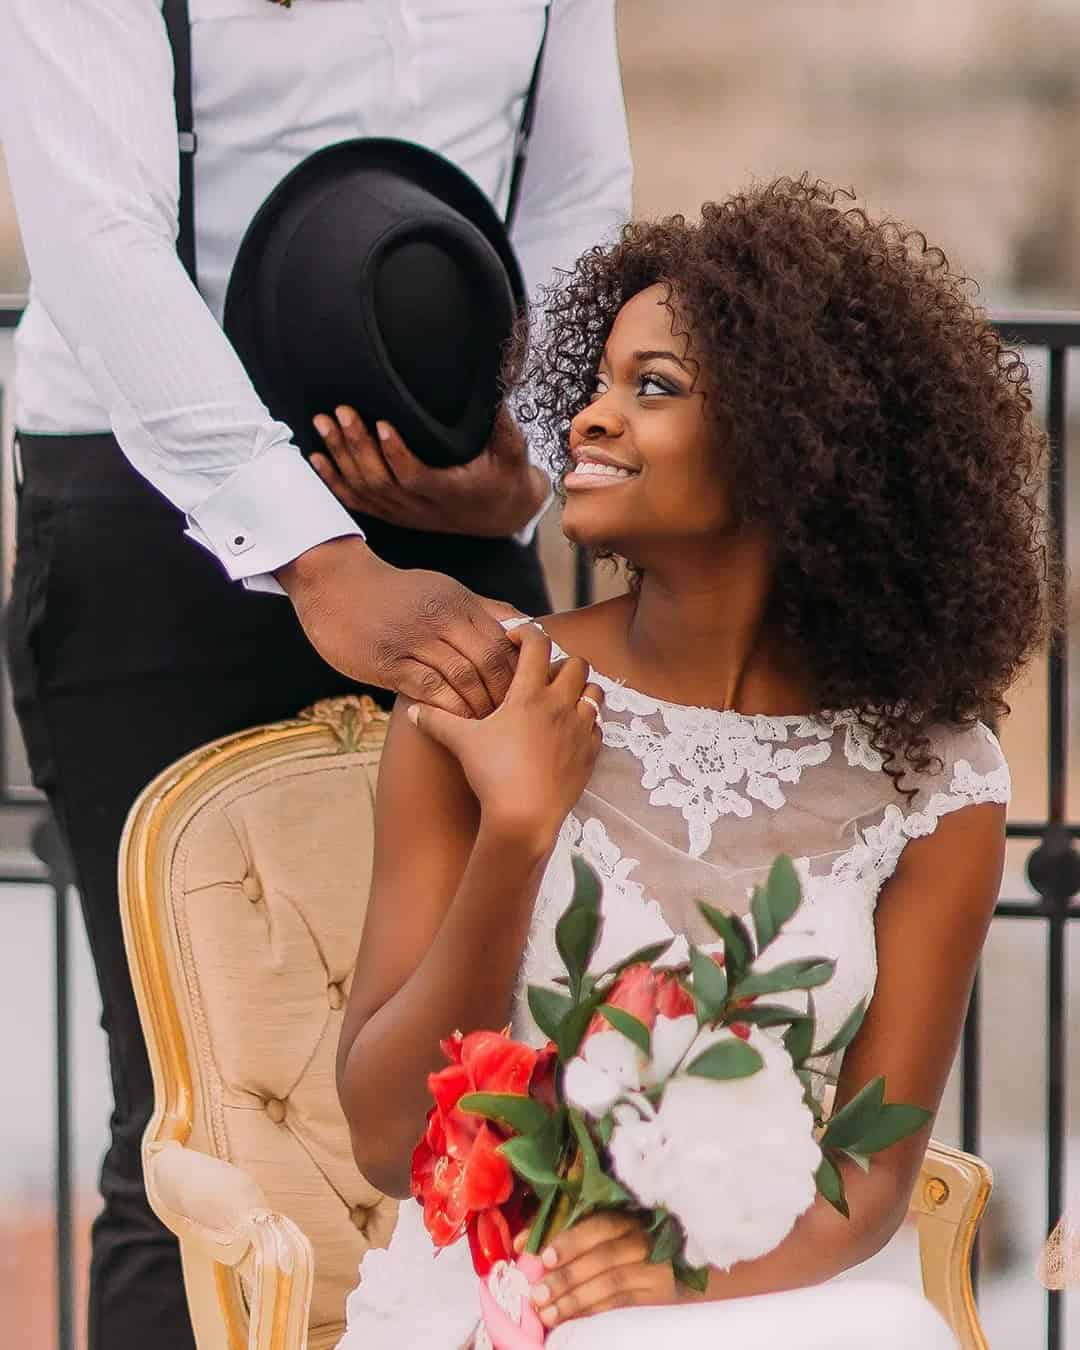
<point>244,873</point>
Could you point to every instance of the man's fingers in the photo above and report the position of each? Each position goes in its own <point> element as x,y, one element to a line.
<point>499,609</point>
<point>363,453</point>
<point>403,464</point>
<point>422,684</point>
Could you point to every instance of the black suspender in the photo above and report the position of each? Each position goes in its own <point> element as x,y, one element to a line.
<point>179,29</point>
<point>178,26</point>
<point>525,126</point>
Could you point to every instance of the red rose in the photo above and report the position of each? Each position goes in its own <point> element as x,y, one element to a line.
<point>464,1184</point>
<point>645,993</point>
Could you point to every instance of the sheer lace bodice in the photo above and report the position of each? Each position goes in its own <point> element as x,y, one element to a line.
<point>689,803</point>
<point>685,804</point>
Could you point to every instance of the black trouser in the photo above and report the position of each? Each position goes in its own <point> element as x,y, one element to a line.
<point>128,648</point>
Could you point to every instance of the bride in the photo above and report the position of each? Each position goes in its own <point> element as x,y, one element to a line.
<point>817,461</point>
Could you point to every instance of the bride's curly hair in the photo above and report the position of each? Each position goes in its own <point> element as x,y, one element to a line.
<point>872,419</point>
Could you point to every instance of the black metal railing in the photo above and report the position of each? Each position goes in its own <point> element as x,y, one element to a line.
<point>1053,867</point>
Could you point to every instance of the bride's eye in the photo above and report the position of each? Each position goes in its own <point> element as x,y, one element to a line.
<point>598,390</point>
<point>651,384</point>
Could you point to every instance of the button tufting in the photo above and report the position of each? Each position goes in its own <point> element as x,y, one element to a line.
<point>359,1216</point>
<point>335,996</point>
<point>251,888</point>
<point>275,1110</point>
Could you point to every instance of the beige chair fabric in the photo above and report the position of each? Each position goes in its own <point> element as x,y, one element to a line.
<point>244,875</point>
<point>245,872</point>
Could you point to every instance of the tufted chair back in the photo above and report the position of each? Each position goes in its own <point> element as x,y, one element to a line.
<point>245,872</point>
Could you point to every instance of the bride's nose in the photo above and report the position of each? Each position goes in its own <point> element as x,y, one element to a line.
<point>597,421</point>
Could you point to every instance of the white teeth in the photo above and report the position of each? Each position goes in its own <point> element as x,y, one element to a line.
<point>610,470</point>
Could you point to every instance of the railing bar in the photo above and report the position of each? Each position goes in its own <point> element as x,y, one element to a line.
<point>584,585</point>
<point>1055,426</point>
<point>1055,1104</point>
<point>1027,829</point>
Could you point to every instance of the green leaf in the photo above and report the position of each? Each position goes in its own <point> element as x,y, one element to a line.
<point>538,1231</point>
<point>710,987</point>
<point>577,930</point>
<point>667,1242</point>
<point>861,1161</point>
<point>535,1157</point>
<point>764,928</point>
<point>598,1190</point>
<point>729,1059</point>
<point>523,1114</point>
<point>806,973</point>
<point>694,1277</point>
<point>738,947</point>
<point>548,1008</point>
<point>783,890</point>
<point>644,956</point>
<point>770,1015</point>
<point>799,1037</point>
<point>630,1026</point>
<point>605,1128</point>
<point>894,1122</point>
<point>830,1184</point>
<point>574,1025</point>
<point>848,1031</point>
<point>848,1125</point>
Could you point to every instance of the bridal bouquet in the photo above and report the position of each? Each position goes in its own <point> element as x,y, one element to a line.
<point>684,1093</point>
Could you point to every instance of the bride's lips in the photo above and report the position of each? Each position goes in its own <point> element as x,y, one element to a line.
<point>595,468</point>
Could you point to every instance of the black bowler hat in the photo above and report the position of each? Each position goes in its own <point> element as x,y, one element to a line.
<point>378,274</point>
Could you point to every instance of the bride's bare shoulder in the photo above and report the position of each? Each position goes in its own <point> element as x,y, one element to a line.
<point>596,633</point>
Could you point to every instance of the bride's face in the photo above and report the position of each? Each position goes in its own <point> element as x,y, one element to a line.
<point>647,469</point>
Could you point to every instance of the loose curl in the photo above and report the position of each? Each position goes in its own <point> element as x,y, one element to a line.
<point>871,418</point>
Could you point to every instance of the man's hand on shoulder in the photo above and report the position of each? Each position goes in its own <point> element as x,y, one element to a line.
<point>494,495</point>
<point>418,633</point>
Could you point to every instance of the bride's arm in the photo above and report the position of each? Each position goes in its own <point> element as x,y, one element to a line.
<point>932,918</point>
<point>461,841</point>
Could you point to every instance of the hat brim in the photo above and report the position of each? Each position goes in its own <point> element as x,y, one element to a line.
<point>414,163</point>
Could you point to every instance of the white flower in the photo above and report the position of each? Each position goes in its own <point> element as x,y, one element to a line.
<point>608,1067</point>
<point>611,1068</point>
<point>733,1160</point>
<point>671,1038</point>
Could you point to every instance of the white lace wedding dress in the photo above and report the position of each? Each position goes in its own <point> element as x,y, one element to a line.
<point>687,803</point>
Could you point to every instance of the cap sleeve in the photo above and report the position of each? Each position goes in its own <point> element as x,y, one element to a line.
<point>973,770</point>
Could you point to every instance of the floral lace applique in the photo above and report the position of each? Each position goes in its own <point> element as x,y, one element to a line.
<point>710,764</point>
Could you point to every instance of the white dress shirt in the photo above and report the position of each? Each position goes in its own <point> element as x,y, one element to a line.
<point>116,337</point>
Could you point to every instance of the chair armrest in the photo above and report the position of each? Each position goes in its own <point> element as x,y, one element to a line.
<point>219,1209</point>
<point>947,1204</point>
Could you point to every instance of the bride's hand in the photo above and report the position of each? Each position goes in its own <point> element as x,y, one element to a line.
<point>599,1264</point>
<point>529,760</point>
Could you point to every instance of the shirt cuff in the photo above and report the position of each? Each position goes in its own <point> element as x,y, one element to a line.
<point>266,514</point>
<point>525,534</point>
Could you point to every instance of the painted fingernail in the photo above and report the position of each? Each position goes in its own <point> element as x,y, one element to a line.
<point>540,1293</point>
<point>550,1257</point>
<point>413,713</point>
<point>549,1315</point>
<point>383,428</point>
<point>346,416</point>
<point>322,425</point>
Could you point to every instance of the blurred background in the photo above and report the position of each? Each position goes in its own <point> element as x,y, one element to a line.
<point>962,119</point>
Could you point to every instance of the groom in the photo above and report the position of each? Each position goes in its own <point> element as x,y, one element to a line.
<point>130,644</point>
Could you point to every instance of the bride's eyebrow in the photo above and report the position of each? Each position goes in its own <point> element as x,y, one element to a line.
<point>665,355</point>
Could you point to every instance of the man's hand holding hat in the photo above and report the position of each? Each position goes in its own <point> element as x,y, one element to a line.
<point>494,495</point>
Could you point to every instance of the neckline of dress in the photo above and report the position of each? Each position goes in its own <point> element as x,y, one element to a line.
<point>751,720</point>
